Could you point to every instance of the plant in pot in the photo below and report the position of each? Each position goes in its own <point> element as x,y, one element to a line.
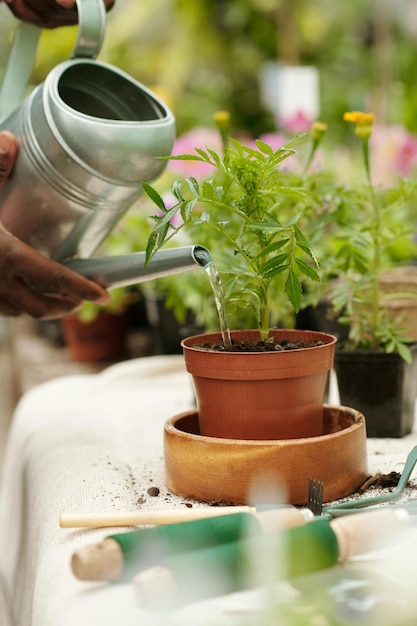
<point>376,366</point>
<point>253,382</point>
<point>99,332</point>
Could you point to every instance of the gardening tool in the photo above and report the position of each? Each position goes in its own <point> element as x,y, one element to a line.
<point>122,555</point>
<point>266,558</point>
<point>315,497</point>
<point>176,531</point>
<point>89,135</point>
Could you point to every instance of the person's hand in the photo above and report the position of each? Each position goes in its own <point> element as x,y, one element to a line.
<point>48,13</point>
<point>29,281</point>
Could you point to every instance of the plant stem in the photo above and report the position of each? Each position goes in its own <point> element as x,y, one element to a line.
<point>376,234</point>
<point>264,314</point>
<point>376,247</point>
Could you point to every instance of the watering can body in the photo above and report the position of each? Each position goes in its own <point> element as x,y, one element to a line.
<point>88,136</point>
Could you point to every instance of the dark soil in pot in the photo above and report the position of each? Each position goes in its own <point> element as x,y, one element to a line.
<point>262,346</point>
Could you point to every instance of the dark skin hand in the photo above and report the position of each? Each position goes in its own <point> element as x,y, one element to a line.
<point>48,13</point>
<point>29,281</point>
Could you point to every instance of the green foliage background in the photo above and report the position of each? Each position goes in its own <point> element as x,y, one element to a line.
<point>206,54</point>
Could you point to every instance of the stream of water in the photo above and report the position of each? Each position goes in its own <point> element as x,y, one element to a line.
<point>218,293</point>
<point>204,259</point>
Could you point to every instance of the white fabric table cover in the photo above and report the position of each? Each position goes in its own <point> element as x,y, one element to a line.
<point>94,443</point>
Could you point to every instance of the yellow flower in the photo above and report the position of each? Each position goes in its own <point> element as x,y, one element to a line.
<point>363,122</point>
<point>318,130</point>
<point>222,119</point>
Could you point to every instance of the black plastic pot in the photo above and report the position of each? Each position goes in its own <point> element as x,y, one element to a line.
<point>381,386</point>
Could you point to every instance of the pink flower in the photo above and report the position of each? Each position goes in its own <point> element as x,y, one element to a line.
<point>393,153</point>
<point>275,140</point>
<point>406,157</point>
<point>199,137</point>
<point>297,123</point>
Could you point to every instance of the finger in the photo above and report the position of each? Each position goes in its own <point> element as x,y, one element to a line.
<point>48,13</point>
<point>8,150</point>
<point>67,4</point>
<point>22,299</point>
<point>23,12</point>
<point>51,277</point>
<point>44,14</point>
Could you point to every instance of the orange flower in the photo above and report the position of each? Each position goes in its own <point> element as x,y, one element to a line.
<point>363,122</point>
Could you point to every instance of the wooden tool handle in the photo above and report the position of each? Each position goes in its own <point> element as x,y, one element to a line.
<point>103,561</point>
<point>369,530</point>
<point>147,518</point>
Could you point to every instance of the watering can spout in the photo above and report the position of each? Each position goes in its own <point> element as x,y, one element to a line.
<point>130,269</point>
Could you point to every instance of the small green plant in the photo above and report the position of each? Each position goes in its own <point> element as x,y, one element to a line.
<point>253,211</point>
<point>363,239</point>
<point>120,300</point>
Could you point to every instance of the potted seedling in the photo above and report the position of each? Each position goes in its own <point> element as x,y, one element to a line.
<point>377,364</point>
<point>99,332</point>
<point>252,382</point>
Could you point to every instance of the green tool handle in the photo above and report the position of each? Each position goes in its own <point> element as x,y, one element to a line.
<point>120,556</point>
<point>239,565</point>
<point>145,547</point>
<point>234,566</point>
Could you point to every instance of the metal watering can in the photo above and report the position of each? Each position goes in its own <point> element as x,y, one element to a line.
<point>88,136</point>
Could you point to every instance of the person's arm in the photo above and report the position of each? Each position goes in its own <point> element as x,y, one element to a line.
<point>48,13</point>
<point>29,281</point>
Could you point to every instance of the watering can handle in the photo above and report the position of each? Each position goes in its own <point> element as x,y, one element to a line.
<point>91,27</point>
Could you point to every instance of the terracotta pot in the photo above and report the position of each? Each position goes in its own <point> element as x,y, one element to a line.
<point>229,470</point>
<point>382,386</point>
<point>103,339</point>
<point>260,395</point>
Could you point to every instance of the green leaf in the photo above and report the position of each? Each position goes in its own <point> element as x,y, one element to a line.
<point>152,246</point>
<point>307,270</point>
<point>177,190</point>
<point>190,157</point>
<point>208,190</point>
<point>294,290</point>
<point>187,209</point>
<point>303,243</point>
<point>291,192</point>
<point>404,352</point>
<point>215,157</point>
<point>154,196</point>
<point>275,265</point>
<point>270,248</point>
<point>264,147</point>
<point>193,185</point>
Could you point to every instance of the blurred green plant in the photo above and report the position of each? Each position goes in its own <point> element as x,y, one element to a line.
<point>120,300</point>
<point>363,241</point>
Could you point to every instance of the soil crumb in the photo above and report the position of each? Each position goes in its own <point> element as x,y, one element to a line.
<point>380,481</point>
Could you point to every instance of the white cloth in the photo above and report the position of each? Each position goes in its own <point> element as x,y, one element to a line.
<point>82,444</point>
<point>93,443</point>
